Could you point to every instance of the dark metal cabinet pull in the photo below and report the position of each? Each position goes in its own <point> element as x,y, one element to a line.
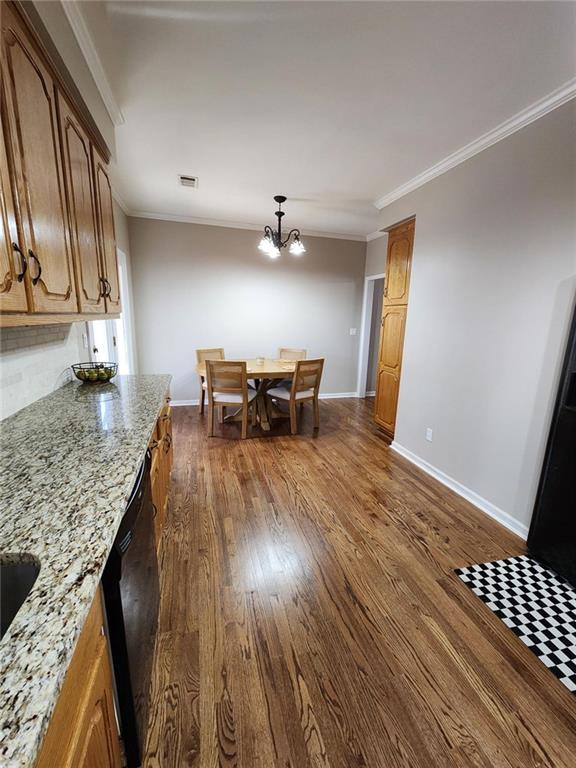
<point>109,293</point>
<point>103,289</point>
<point>20,275</point>
<point>32,255</point>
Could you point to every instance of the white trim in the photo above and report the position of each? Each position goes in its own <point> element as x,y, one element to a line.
<point>236,225</point>
<point>521,119</point>
<point>336,395</point>
<point>120,201</point>
<point>486,506</point>
<point>371,393</point>
<point>84,39</point>
<point>322,396</point>
<point>375,235</point>
<point>365,328</point>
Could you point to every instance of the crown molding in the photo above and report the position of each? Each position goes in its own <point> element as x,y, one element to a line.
<point>521,119</point>
<point>86,43</point>
<point>233,224</point>
<point>116,196</point>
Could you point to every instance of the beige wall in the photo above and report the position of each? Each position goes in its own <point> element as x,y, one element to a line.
<point>202,286</point>
<point>493,285</point>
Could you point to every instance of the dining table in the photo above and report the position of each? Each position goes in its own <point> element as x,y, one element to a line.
<point>265,372</point>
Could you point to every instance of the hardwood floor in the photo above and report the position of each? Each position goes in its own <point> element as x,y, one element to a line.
<point>310,616</point>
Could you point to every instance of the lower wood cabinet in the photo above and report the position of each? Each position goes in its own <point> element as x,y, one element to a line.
<point>83,731</point>
<point>161,448</point>
<point>389,367</point>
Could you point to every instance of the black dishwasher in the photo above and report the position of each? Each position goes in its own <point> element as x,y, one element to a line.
<point>131,597</point>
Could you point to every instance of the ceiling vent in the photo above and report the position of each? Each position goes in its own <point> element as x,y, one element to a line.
<point>189,181</point>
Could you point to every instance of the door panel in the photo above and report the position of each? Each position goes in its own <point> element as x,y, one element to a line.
<point>82,207</point>
<point>400,241</point>
<point>387,388</point>
<point>12,262</point>
<point>389,367</point>
<point>97,744</point>
<point>106,232</point>
<point>33,125</point>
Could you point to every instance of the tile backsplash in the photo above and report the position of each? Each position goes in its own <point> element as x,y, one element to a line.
<point>35,361</point>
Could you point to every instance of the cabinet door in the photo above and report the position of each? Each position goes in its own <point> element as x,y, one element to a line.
<point>399,260</point>
<point>106,232</point>
<point>82,208</point>
<point>97,744</point>
<point>82,732</point>
<point>33,127</point>
<point>389,367</point>
<point>13,262</point>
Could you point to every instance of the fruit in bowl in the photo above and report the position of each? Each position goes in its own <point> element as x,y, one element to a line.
<point>95,372</point>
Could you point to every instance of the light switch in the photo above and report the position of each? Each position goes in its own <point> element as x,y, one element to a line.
<point>352,331</point>
<point>429,434</point>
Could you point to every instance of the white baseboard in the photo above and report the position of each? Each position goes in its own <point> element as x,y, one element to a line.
<point>333,395</point>
<point>478,501</point>
<point>372,393</point>
<point>323,396</point>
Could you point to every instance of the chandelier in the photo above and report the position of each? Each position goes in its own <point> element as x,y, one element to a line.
<point>272,241</point>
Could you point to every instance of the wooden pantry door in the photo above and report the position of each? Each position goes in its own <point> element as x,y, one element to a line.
<point>395,306</point>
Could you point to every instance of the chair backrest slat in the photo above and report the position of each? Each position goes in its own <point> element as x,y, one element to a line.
<point>291,353</point>
<point>215,353</point>
<point>226,377</point>
<point>307,375</point>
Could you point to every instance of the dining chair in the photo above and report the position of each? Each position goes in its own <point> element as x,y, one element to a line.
<point>291,353</point>
<point>217,353</point>
<point>227,384</point>
<point>305,387</point>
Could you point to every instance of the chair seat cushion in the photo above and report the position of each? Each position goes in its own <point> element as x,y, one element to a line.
<point>231,397</point>
<point>284,394</point>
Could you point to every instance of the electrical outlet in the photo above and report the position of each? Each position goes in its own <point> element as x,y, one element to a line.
<point>429,434</point>
<point>352,331</point>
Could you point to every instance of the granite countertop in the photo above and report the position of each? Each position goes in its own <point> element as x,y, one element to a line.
<point>67,465</point>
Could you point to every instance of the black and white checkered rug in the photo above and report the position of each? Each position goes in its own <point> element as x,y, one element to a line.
<point>537,605</point>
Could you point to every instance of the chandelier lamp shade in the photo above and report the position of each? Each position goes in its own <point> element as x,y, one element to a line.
<point>272,241</point>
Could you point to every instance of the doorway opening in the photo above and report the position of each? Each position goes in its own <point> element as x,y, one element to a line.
<point>112,340</point>
<point>370,334</point>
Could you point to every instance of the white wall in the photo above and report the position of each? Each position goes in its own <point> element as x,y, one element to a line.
<point>376,255</point>
<point>492,290</point>
<point>34,361</point>
<point>203,286</point>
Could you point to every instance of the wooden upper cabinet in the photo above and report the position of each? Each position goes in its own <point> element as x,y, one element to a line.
<point>33,126</point>
<point>13,263</point>
<point>107,236</point>
<point>400,242</point>
<point>82,209</point>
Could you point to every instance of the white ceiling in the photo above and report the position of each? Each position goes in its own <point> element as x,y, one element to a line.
<point>332,104</point>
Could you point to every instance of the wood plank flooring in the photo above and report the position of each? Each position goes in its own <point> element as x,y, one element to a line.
<point>310,616</point>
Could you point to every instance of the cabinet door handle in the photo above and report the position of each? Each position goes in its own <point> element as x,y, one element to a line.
<point>32,255</point>
<point>102,288</point>
<point>20,275</point>
<point>109,288</point>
